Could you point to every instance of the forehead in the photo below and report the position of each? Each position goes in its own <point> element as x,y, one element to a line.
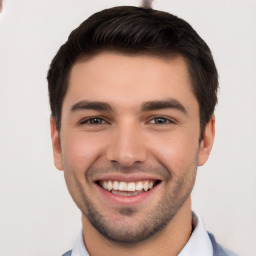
<point>129,79</point>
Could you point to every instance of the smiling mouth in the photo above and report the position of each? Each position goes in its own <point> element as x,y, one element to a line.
<point>127,188</point>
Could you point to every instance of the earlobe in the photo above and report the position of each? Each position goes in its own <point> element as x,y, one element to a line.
<point>206,143</point>
<point>57,156</point>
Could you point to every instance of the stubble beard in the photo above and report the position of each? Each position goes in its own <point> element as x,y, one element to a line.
<point>151,224</point>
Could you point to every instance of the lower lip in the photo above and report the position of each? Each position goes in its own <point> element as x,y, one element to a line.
<point>127,200</point>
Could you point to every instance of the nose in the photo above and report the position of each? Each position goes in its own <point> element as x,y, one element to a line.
<point>127,146</point>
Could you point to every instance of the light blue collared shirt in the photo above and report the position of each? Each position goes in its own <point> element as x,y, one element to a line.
<point>199,243</point>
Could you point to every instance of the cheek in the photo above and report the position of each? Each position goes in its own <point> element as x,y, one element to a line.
<point>176,152</point>
<point>79,152</point>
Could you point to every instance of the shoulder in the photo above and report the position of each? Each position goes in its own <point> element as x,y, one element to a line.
<point>219,250</point>
<point>67,253</point>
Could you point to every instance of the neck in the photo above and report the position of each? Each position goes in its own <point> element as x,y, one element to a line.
<point>169,241</point>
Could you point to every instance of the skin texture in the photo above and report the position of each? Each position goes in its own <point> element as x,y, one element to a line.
<point>111,130</point>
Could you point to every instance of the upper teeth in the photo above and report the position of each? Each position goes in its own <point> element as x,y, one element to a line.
<point>127,186</point>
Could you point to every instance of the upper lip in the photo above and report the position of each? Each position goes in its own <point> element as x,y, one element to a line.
<point>127,177</point>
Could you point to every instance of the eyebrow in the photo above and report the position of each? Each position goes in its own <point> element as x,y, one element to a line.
<point>146,106</point>
<point>92,105</point>
<point>163,104</point>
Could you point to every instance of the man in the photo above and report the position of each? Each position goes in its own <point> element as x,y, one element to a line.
<point>132,95</point>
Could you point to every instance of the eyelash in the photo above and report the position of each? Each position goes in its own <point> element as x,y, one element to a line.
<point>164,120</point>
<point>102,121</point>
<point>89,121</point>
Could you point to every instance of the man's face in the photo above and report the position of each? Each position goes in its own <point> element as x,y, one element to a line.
<point>129,142</point>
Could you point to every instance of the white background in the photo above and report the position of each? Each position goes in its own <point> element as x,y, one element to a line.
<point>37,215</point>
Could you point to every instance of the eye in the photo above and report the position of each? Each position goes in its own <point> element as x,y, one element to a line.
<point>94,121</point>
<point>161,121</point>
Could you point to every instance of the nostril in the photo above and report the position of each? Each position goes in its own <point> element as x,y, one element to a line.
<point>125,160</point>
<point>126,150</point>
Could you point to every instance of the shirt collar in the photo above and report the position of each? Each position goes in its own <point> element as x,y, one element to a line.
<point>199,243</point>
<point>79,246</point>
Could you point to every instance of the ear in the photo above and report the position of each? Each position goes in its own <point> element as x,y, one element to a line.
<point>57,156</point>
<point>206,142</point>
